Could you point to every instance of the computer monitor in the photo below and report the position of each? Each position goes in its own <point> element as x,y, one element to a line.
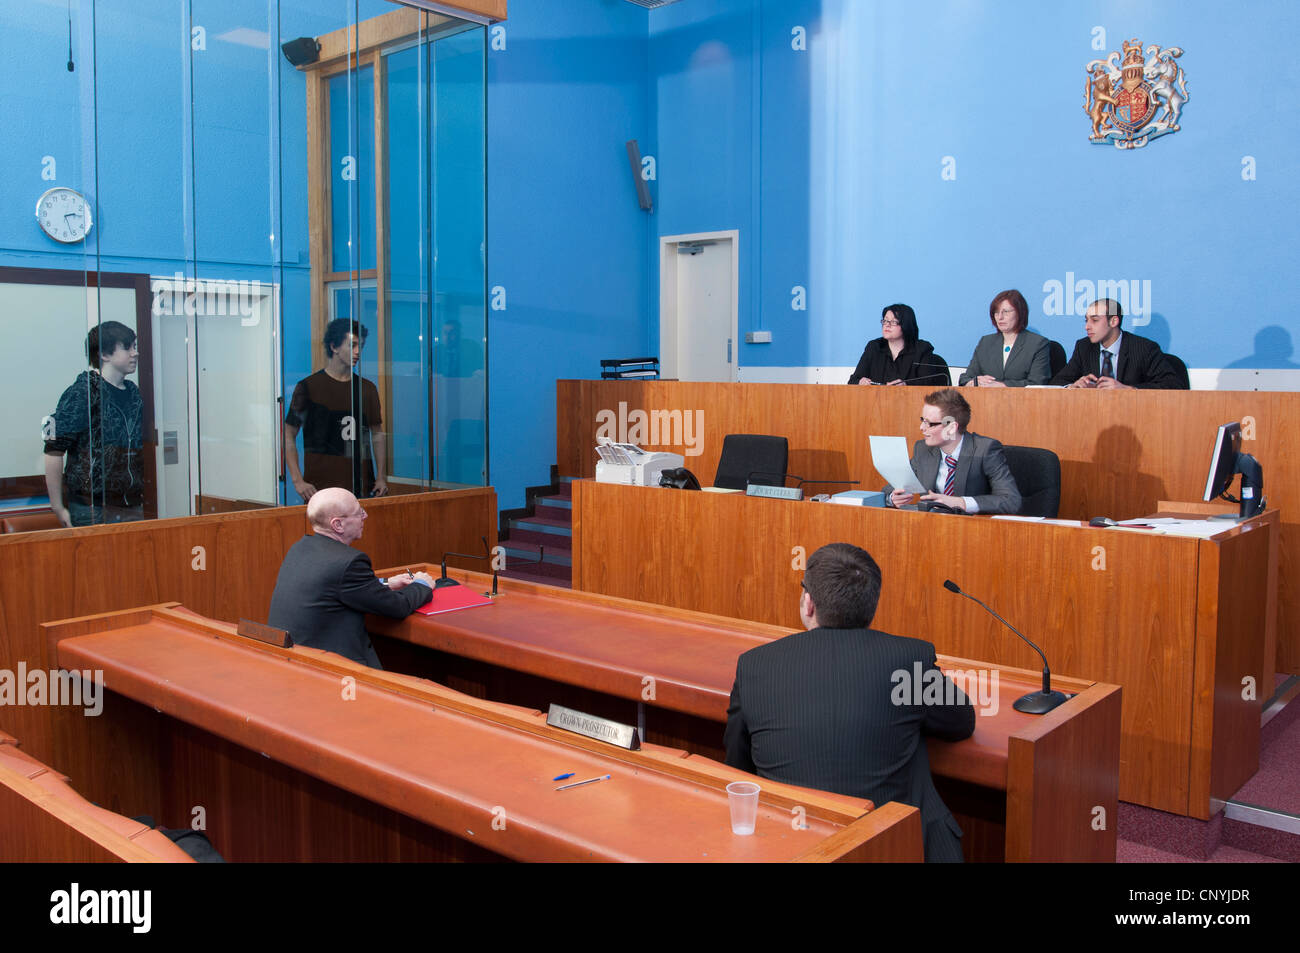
<point>1226,462</point>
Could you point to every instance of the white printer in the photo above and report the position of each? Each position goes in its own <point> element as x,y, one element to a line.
<point>628,463</point>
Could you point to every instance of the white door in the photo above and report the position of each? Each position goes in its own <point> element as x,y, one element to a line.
<point>698,306</point>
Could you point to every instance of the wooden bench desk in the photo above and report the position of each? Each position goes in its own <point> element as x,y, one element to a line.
<point>1024,787</point>
<point>298,754</point>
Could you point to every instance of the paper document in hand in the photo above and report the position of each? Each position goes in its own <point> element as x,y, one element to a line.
<point>890,457</point>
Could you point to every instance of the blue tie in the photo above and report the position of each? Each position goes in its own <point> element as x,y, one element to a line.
<point>1107,370</point>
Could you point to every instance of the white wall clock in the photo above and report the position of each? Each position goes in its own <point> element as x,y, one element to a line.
<point>64,215</point>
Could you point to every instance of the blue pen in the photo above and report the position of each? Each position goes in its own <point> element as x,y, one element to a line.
<point>562,776</point>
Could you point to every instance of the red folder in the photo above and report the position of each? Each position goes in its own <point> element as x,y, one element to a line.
<point>451,598</point>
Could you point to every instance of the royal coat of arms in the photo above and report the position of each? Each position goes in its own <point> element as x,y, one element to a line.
<point>1133,99</point>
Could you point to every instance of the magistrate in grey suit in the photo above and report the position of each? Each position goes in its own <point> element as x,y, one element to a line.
<point>325,587</point>
<point>1010,356</point>
<point>845,708</point>
<point>965,471</point>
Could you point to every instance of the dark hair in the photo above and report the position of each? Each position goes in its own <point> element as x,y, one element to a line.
<point>844,583</point>
<point>1017,301</point>
<point>104,338</point>
<point>906,322</point>
<point>337,331</point>
<point>953,404</point>
<point>1112,309</point>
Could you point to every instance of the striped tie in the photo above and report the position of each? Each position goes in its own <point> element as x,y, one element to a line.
<point>950,481</point>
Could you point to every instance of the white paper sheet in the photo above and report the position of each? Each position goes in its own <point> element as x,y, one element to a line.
<point>890,457</point>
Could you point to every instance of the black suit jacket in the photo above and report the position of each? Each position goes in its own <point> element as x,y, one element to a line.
<point>982,472</point>
<point>323,592</point>
<point>1141,364</point>
<point>833,709</point>
<point>915,365</point>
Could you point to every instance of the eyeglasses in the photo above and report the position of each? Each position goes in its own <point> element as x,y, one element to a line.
<point>929,424</point>
<point>1007,312</point>
<point>889,323</point>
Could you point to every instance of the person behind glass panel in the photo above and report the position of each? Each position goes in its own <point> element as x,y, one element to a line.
<point>326,407</point>
<point>898,356</point>
<point>98,427</point>
<point>1011,356</point>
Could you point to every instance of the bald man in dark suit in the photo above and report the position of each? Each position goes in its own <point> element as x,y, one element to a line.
<point>325,587</point>
<point>838,707</point>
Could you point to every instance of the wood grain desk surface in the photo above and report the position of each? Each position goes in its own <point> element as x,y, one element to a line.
<point>613,645</point>
<point>450,763</point>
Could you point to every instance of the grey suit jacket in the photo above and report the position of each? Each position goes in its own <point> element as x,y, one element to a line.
<point>323,592</point>
<point>828,709</point>
<point>982,472</point>
<point>1029,362</point>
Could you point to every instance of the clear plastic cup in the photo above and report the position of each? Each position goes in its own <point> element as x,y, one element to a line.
<point>742,797</point>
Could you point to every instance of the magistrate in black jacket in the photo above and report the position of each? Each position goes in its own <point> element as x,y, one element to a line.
<point>325,587</point>
<point>898,356</point>
<point>1110,359</point>
<point>844,708</point>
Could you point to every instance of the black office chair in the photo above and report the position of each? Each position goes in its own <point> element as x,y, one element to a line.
<point>1056,357</point>
<point>746,453</point>
<point>934,374</point>
<point>1180,368</point>
<point>1038,476</point>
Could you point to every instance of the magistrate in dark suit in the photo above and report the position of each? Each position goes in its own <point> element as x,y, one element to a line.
<point>325,587</point>
<point>963,470</point>
<point>1011,356</point>
<point>842,707</point>
<point>1110,359</point>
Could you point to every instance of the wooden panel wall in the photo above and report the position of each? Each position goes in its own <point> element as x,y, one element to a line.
<point>1120,451</point>
<point>1123,609</point>
<point>222,566</point>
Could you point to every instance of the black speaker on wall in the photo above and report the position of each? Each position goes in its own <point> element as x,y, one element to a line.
<point>642,190</point>
<point>301,52</point>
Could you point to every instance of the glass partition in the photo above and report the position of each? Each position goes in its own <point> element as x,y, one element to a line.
<point>270,214</point>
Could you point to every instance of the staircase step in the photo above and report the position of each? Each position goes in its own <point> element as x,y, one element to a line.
<point>563,582</point>
<point>555,508</point>
<point>538,529</point>
<point>522,553</point>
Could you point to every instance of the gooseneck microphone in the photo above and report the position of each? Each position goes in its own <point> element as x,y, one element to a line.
<point>1034,703</point>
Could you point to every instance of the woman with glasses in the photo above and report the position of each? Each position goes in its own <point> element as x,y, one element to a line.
<point>897,356</point>
<point>1010,356</point>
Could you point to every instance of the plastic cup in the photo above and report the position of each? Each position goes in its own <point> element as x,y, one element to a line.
<point>742,798</point>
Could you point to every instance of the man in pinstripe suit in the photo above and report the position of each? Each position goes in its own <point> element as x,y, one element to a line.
<point>823,708</point>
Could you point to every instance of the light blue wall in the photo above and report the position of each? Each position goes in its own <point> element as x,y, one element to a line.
<point>828,161</point>
<point>844,193</point>
<point>566,239</point>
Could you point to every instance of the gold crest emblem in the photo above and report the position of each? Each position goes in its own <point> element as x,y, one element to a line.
<point>1132,99</point>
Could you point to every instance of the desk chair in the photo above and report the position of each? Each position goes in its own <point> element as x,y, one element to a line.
<point>1179,368</point>
<point>746,453</point>
<point>1038,476</point>
<point>1056,357</point>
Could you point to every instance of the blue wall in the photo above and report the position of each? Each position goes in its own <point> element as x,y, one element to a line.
<point>566,240</point>
<point>827,160</point>
<point>844,194</point>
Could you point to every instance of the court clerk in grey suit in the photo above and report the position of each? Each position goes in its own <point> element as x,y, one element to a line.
<point>1010,356</point>
<point>325,587</point>
<point>837,707</point>
<point>982,482</point>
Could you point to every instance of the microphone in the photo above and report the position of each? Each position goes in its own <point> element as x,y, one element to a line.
<point>1034,703</point>
<point>442,581</point>
<point>937,368</point>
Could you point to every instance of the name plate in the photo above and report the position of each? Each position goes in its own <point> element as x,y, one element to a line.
<point>589,726</point>
<point>774,492</point>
